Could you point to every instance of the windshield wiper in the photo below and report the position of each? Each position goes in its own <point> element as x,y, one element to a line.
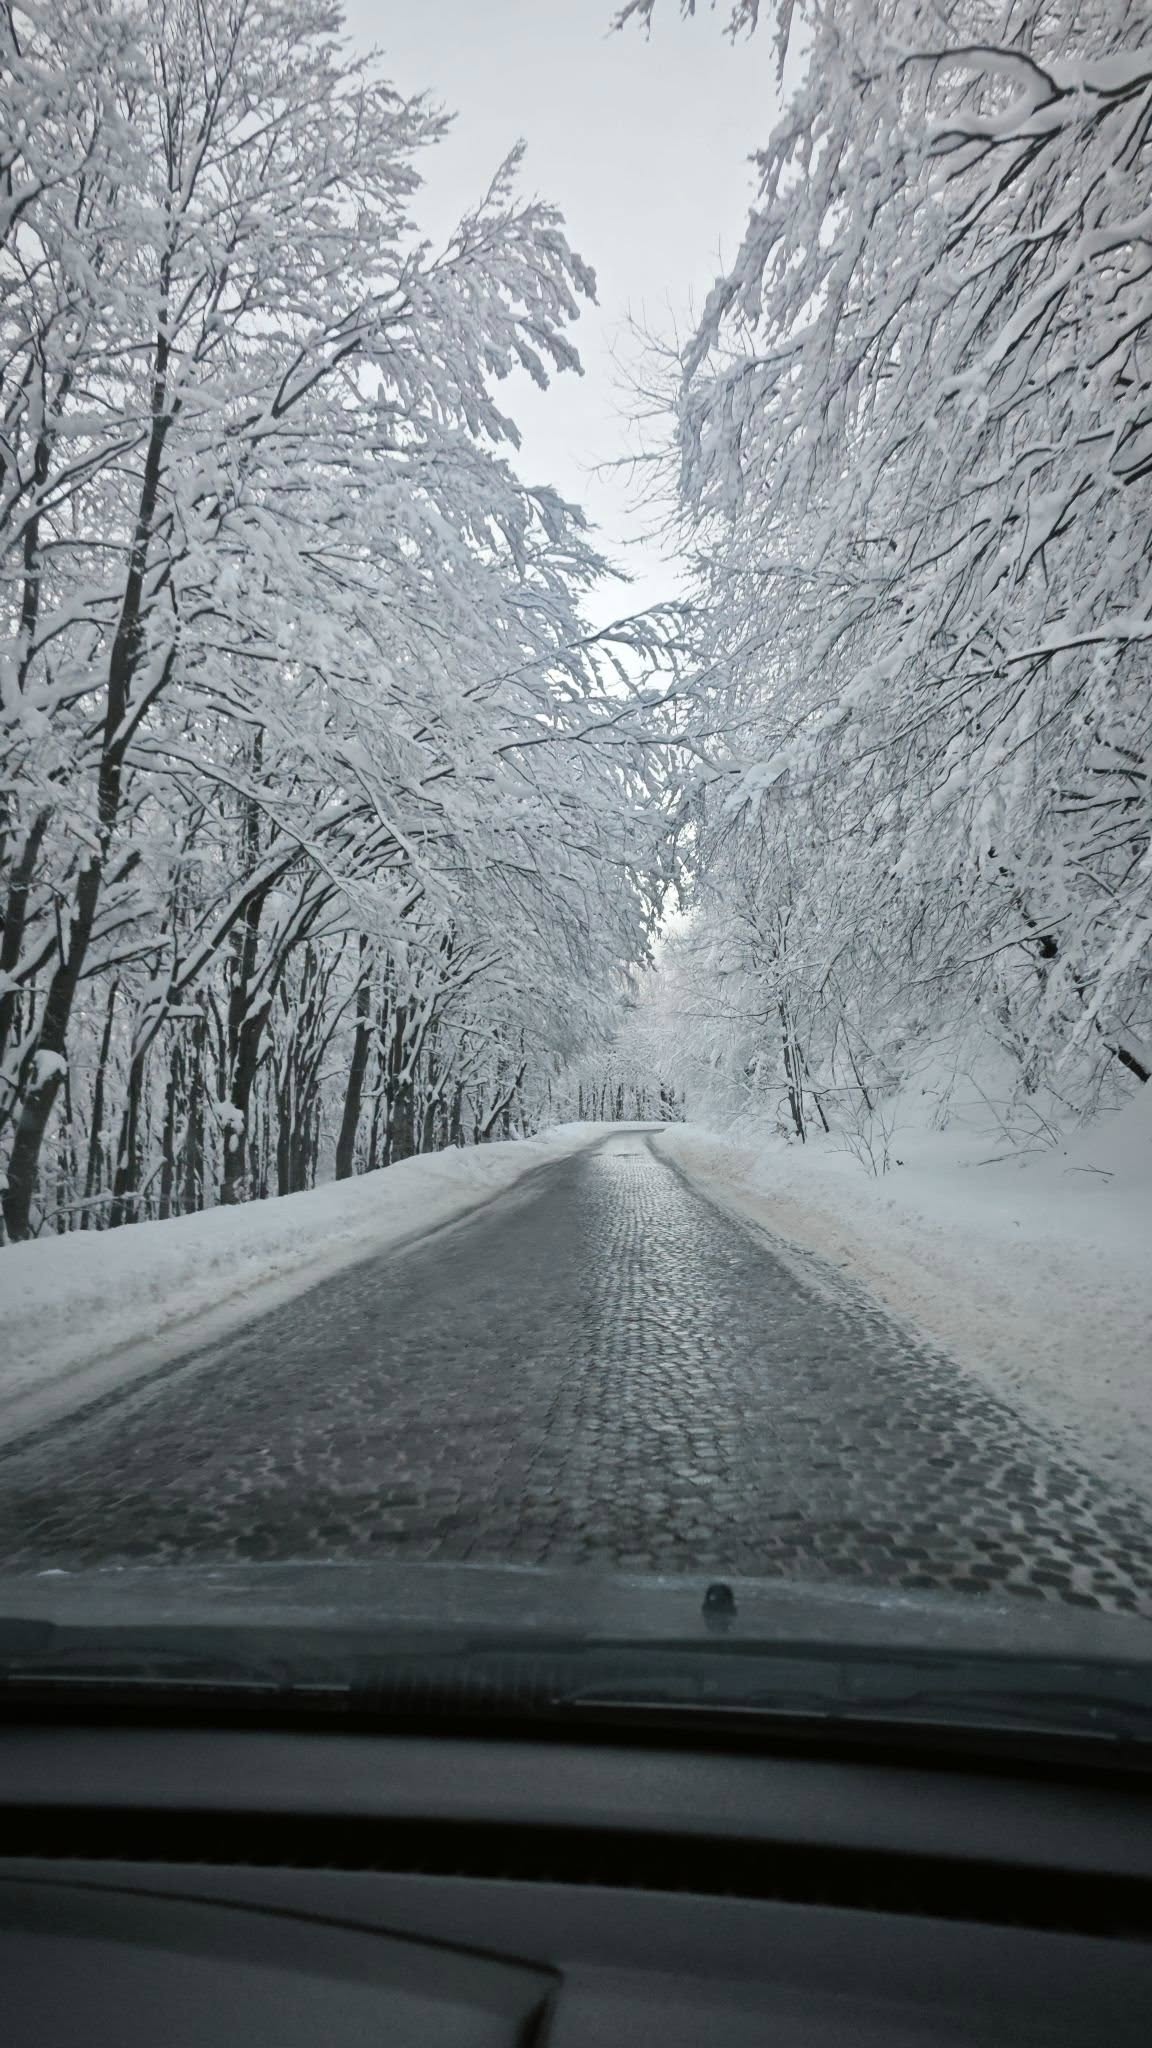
<point>1101,1719</point>
<point>777,1691</point>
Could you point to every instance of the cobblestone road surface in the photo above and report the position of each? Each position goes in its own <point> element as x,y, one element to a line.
<point>598,1367</point>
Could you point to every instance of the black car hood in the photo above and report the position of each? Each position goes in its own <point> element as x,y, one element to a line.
<point>528,1601</point>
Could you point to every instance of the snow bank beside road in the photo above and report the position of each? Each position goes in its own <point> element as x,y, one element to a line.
<point>1033,1271</point>
<point>81,1313</point>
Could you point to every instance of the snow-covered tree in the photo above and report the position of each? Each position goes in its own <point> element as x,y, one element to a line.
<point>319,796</point>
<point>914,436</point>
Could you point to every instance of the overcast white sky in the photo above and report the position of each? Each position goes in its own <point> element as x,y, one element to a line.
<point>643,144</point>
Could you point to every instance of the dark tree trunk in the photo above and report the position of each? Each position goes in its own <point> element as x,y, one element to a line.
<point>168,1141</point>
<point>194,1137</point>
<point>283,1142</point>
<point>377,1118</point>
<point>1128,1059</point>
<point>456,1116</point>
<point>93,1175</point>
<point>792,1074</point>
<point>400,1137</point>
<point>358,1067</point>
<point>124,1192</point>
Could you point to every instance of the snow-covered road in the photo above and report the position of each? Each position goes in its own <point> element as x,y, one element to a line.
<point>598,1366</point>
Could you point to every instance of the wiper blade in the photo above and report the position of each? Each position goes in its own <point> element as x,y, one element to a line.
<point>778,1689</point>
<point>1102,1720</point>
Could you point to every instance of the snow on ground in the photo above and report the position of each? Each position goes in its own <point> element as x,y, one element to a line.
<point>82,1313</point>
<point>1032,1269</point>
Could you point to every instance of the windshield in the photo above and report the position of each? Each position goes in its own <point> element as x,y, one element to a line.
<point>576,966</point>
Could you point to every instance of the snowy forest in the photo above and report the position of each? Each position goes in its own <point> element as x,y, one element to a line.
<point>331,829</point>
<point>913,448</point>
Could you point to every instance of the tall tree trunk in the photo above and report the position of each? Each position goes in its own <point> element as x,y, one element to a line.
<point>456,1116</point>
<point>284,1116</point>
<point>792,1074</point>
<point>357,1068</point>
<point>93,1175</point>
<point>377,1122</point>
<point>193,1198</point>
<point>124,1192</point>
<point>399,1139</point>
<point>168,1139</point>
<point>245,1026</point>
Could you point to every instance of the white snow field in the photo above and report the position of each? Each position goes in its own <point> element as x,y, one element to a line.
<point>82,1313</point>
<point>1031,1269</point>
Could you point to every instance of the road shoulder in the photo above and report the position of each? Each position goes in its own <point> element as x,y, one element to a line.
<point>1048,1303</point>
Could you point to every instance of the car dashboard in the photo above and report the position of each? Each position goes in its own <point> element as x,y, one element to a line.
<point>193,1885</point>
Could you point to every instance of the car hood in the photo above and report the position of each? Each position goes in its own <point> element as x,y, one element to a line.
<point>577,1603</point>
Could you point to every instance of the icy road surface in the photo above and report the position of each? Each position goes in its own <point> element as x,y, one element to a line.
<point>598,1367</point>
